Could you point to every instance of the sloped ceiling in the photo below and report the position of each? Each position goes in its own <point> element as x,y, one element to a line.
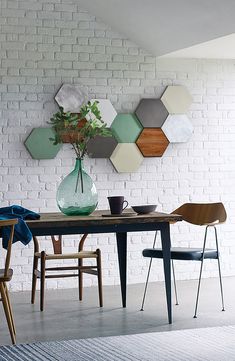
<point>165,26</point>
<point>221,48</point>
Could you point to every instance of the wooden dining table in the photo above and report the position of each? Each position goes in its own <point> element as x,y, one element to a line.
<point>100,222</point>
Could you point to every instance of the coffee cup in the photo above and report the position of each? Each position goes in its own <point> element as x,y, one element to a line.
<point>116,204</point>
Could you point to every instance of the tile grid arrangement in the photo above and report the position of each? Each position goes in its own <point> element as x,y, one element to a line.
<point>47,43</point>
<point>146,133</point>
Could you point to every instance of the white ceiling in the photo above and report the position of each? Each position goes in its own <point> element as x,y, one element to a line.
<point>221,48</point>
<point>163,27</point>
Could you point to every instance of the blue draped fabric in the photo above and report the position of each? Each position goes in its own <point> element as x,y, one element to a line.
<point>22,232</point>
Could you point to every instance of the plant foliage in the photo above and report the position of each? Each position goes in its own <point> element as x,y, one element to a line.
<point>79,128</point>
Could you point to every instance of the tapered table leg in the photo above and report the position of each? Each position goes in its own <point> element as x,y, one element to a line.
<point>166,250</point>
<point>122,261</point>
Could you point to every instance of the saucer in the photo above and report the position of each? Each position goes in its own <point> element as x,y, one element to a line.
<point>119,215</point>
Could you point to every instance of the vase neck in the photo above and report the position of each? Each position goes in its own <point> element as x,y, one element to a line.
<point>78,164</point>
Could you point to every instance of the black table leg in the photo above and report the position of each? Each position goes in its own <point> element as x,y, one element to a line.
<point>166,244</point>
<point>122,250</point>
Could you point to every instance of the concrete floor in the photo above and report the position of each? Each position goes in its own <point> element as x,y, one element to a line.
<point>67,318</point>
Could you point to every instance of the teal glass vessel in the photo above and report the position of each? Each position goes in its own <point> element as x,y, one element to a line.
<point>77,194</point>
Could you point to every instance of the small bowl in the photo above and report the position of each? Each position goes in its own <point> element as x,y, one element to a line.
<point>144,209</point>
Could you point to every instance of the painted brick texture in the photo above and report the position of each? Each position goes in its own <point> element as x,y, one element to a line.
<point>47,43</point>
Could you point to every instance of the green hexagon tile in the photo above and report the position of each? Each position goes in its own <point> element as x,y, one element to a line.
<point>39,144</point>
<point>126,128</point>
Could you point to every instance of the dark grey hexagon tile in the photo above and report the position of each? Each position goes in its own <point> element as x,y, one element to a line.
<point>101,147</point>
<point>151,113</point>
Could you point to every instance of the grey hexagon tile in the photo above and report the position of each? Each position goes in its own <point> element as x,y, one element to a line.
<point>107,111</point>
<point>39,144</point>
<point>101,147</point>
<point>70,97</point>
<point>176,99</point>
<point>177,128</point>
<point>151,113</point>
<point>126,158</point>
<point>126,128</point>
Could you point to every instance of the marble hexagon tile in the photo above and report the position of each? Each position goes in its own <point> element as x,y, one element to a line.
<point>177,128</point>
<point>40,146</point>
<point>176,99</point>
<point>70,97</point>
<point>126,158</point>
<point>107,111</point>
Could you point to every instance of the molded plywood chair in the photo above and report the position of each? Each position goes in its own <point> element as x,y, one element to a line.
<point>6,276</point>
<point>208,215</point>
<point>59,255</point>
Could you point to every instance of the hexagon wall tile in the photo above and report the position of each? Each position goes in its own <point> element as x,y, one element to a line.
<point>107,111</point>
<point>101,147</point>
<point>126,128</point>
<point>176,99</point>
<point>151,113</point>
<point>177,128</point>
<point>70,97</point>
<point>126,158</point>
<point>39,144</point>
<point>152,142</point>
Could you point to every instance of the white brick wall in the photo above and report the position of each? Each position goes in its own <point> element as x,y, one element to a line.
<point>47,42</point>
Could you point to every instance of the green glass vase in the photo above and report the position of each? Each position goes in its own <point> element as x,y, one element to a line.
<point>77,193</point>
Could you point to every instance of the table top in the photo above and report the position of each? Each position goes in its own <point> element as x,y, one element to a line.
<point>48,220</point>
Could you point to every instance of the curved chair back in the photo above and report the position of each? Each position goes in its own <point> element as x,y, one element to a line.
<point>202,213</point>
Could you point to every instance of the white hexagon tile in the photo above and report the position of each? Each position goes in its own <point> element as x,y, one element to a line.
<point>70,97</point>
<point>107,111</point>
<point>176,99</point>
<point>177,128</point>
<point>126,158</point>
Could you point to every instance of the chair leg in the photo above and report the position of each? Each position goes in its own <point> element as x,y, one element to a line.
<point>34,279</point>
<point>42,280</point>
<point>146,284</point>
<point>198,289</point>
<point>174,280</point>
<point>10,308</point>
<point>220,277</point>
<point>147,279</point>
<point>7,312</point>
<point>99,274</point>
<point>221,285</point>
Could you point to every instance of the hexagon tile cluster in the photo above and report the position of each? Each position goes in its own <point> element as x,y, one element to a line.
<point>164,121</point>
<point>147,133</point>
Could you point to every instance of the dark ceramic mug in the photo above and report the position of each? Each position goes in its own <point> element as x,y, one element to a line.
<point>116,204</point>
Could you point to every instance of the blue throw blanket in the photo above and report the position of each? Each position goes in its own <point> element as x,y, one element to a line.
<point>22,232</point>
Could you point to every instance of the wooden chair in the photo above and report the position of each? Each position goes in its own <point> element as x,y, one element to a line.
<point>59,255</point>
<point>6,276</point>
<point>208,215</point>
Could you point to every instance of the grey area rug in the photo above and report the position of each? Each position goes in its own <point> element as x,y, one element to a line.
<point>207,344</point>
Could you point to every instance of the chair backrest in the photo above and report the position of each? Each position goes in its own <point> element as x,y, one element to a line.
<point>57,243</point>
<point>8,223</point>
<point>202,213</point>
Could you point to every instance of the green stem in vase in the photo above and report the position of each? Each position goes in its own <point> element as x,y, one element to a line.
<point>81,176</point>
